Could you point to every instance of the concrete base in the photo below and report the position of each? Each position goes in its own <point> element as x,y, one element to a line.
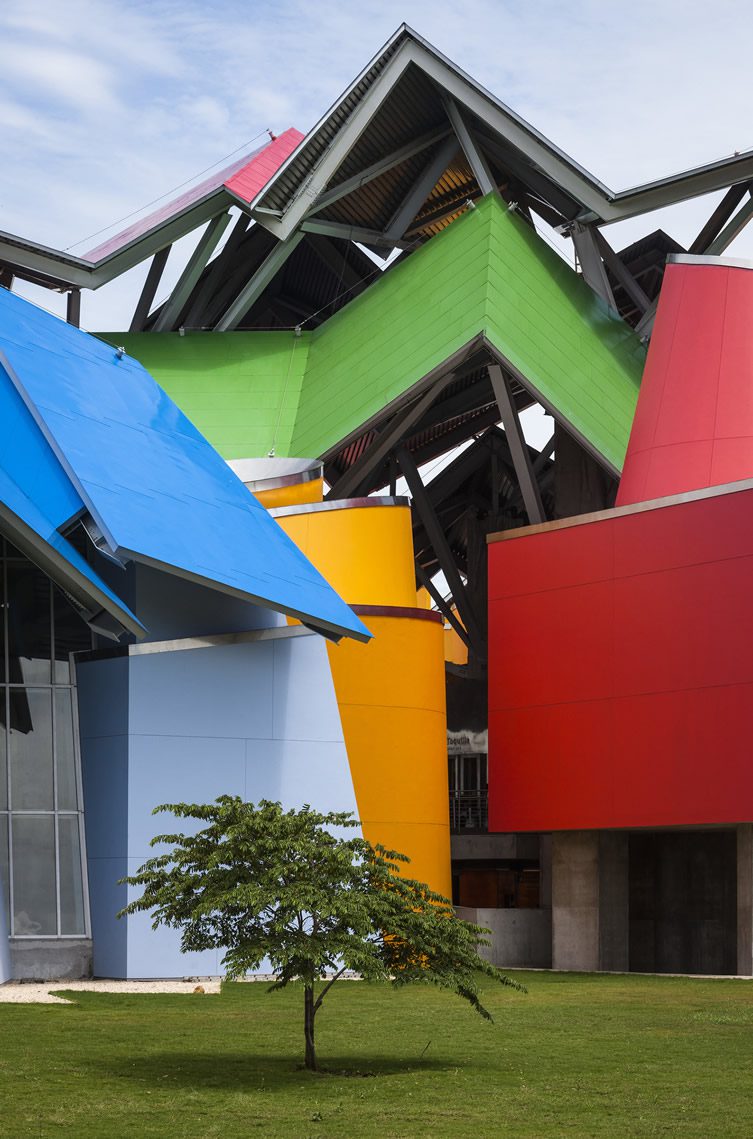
<point>469,847</point>
<point>519,939</point>
<point>50,959</point>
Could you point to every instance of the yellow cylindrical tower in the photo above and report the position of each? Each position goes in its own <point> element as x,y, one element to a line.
<point>391,692</point>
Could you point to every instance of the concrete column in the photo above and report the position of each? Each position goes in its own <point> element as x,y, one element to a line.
<point>575,900</point>
<point>745,899</point>
<point>614,929</point>
<point>590,924</point>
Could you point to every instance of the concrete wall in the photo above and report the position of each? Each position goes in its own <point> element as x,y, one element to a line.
<point>519,939</point>
<point>256,718</point>
<point>54,959</point>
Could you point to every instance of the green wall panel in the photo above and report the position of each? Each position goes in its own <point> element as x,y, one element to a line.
<point>386,340</point>
<point>488,273</point>
<point>241,389</point>
<point>578,356</point>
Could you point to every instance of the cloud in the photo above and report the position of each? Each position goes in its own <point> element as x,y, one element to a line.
<point>105,105</point>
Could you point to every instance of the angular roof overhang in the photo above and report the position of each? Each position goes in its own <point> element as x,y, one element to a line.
<point>156,489</point>
<point>317,164</point>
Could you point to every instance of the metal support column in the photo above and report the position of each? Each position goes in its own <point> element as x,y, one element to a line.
<point>73,308</point>
<point>258,283</point>
<point>346,486</point>
<point>518,446</point>
<point>149,291</point>
<point>188,280</point>
<point>441,547</point>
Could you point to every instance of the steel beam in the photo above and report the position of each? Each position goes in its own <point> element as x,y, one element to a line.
<point>645,325</point>
<point>216,274</point>
<point>732,228</point>
<point>471,150</point>
<point>441,546</point>
<point>342,143</point>
<point>369,173</point>
<point>149,291</point>
<point>73,308</point>
<point>622,273</point>
<point>421,189</point>
<point>518,446</point>
<point>189,278</point>
<point>721,214</point>
<point>515,164</point>
<point>258,283</point>
<point>346,486</point>
<point>334,260</point>
<point>442,605</point>
<point>352,233</point>
<point>592,267</point>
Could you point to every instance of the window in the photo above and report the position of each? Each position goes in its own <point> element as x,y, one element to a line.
<point>42,871</point>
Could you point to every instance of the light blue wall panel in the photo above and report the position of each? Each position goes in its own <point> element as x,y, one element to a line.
<point>298,772</point>
<point>221,692</point>
<point>166,769</point>
<point>294,717</point>
<point>259,719</point>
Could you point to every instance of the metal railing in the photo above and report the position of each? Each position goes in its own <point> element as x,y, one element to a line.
<point>469,810</point>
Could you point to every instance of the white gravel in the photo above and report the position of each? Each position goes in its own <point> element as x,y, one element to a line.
<point>32,993</point>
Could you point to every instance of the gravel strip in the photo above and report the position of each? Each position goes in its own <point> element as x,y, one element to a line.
<point>32,993</point>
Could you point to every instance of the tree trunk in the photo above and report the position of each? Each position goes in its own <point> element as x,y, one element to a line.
<point>309,1012</point>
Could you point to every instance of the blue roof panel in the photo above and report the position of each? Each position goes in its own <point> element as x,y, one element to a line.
<point>156,487</point>
<point>28,527</point>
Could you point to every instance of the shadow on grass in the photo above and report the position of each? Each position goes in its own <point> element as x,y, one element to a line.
<point>239,1071</point>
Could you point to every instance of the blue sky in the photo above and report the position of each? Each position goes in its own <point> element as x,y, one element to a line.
<point>106,105</point>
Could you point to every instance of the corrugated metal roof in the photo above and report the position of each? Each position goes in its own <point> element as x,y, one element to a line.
<point>243,179</point>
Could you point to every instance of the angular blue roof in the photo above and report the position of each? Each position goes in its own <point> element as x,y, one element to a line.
<point>156,488</point>
<point>37,498</point>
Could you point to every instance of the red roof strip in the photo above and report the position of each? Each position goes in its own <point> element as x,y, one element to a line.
<point>244,178</point>
<point>247,182</point>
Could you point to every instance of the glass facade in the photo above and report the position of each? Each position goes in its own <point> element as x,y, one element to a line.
<point>41,809</point>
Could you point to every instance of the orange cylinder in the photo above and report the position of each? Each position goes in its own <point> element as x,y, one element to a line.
<point>391,692</point>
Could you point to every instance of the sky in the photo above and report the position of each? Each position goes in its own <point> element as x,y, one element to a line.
<point>105,105</point>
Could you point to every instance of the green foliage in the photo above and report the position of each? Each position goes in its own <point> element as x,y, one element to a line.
<point>288,886</point>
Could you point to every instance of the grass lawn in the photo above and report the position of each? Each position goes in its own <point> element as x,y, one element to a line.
<point>580,1055</point>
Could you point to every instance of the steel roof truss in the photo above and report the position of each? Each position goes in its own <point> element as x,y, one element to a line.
<point>441,546</point>
<point>382,166</point>
<point>620,271</point>
<point>421,188</point>
<point>592,267</point>
<point>149,291</point>
<point>341,145</point>
<point>384,443</point>
<point>733,227</point>
<point>189,278</point>
<point>258,283</point>
<point>518,446</point>
<point>721,214</point>
<point>442,605</point>
<point>352,233</point>
<point>476,159</point>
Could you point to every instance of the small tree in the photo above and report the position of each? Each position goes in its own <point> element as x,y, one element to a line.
<point>260,882</point>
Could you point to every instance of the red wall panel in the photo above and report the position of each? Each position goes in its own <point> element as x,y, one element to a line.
<point>621,685</point>
<point>693,425</point>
